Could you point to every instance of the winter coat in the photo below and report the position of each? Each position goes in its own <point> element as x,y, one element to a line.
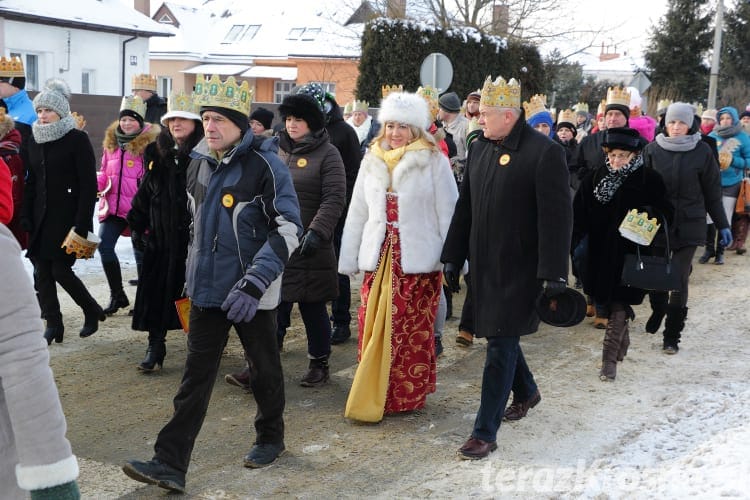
<point>10,147</point>
<point>159,220</point>
<point>514,218</point>
<point>60,192</point>
<point>346,141</point>
<point>156,107</point>
<point>122,170</point>
<point>320,182</point>
<point>35,453</point>
<point>245,220</point>
<point>693,188</point>
<point>738,145</point>
<point>643,190</point>
<point>427,194</point>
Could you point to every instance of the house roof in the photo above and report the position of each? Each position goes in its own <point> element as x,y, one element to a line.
<point>233,32</point>
<point>111,16</point>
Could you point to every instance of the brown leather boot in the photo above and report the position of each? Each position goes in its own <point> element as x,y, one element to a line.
<point>317,373</point>
<point>613,337</point>
<point>741,234</point>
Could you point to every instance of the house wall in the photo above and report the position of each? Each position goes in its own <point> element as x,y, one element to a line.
<point>94,51</point>
<point>343,72</point>
<point>172,68</point>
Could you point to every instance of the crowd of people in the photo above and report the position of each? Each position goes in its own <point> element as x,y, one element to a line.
<point>245,219</point>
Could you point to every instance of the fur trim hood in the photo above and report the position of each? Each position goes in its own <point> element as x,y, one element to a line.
<point>135,147</point>
<point>6,126</point>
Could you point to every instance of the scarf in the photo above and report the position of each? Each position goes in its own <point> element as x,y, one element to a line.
<point>728,130</point>
<point>678,144</point>
<point>123,138</point>
<point>391,157</point>
<point>52,131</point>
<point>605,190</point>
<point>363,130</point>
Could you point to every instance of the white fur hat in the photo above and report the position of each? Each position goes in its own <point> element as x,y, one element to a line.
<point>404,107</point>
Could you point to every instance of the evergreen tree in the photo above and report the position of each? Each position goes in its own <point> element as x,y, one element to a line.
<point>676,56</point>
<point>564,81</point>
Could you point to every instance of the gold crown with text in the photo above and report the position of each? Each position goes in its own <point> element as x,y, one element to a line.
<point>228,94</point>
<point>11,67</point>
<point>501,93</point>
<point>135,104</point>
<point>144,82</point>
<point>389,89</point>
<point>581,106</point>
<point>362,106</point>
<point>618,95</point>
<point>567,115</point>
<point>536,105</point>
<point>180,101</point>
<point>638,227</point>
<point>431,95</point>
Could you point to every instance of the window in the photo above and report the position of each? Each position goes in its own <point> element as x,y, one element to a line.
<point>87,81</point>
<point>240,32</point>
<point>165,19</point>
<point>310,34</point>
<point>295,33</point>
<point>31,67</point>
<point>328,87</point>
<point>164,85</point>
<point>281,89</point>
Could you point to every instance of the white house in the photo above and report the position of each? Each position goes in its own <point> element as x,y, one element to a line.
<point>94,45</point>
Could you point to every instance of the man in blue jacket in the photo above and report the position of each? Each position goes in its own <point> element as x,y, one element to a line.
<point>246,223</point>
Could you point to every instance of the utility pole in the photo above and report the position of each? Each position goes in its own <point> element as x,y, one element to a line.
<point>713,79</point>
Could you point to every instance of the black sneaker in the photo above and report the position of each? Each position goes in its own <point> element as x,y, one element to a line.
<point>438,347</point>
<point>263,454</point>
<point>341,334</point>
<point>157,473</point>
<point>670,347</point>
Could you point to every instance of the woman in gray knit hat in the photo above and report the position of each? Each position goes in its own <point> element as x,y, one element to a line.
<point>59,194</point>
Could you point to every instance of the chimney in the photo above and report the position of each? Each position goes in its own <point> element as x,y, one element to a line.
<point>396,9</point>
<point>607,54</point>
<point>143,6</point>
<point>500,19</point>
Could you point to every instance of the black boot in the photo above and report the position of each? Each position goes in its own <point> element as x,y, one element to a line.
<point>117,298</point>
<point>317,373</point>
<point>155,353</point>
<point>658,310</point>
<point>91,320</point>
<point>448,303</point>
<point>55,329</point>
<point>340,334</point>
<point>710,251</point>
<point>673,326</point>
<point>719,260</point>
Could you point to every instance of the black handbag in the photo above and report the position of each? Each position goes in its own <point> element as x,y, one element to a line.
<point>652,272</point>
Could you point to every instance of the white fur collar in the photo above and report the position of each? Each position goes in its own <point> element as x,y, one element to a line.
<point>411,161</point>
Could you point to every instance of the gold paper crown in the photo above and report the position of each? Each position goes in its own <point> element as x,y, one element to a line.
<point>11,67</point>
<point>180,101</point>
<point>618,95</point>
<point>83,248</point>
<point>80,120</point>
<point>430,94</point>
<point>567,115</point>
<point>601,109</point>
<point>698,108</point>
<point>144,82</point>
<point>387,89</point>
<point>501,93</point>
<point>663,104</point>
<point>362,106</point>
<point>2,114</point>
<point>135,104</point>
<point>348,107</point>
<point>581,106</point>
<point>536,105</point>
<point>638,227</point>
<point>226,94</point>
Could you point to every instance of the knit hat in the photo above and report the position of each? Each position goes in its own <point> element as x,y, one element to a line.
<point>474,96</point>
<point>623,138</point>
<point>54,96</point>
<point>744,114</point>
<point>264,116</point>
<point>542,117</point>
<point>450,102</point>
<point>232,115</point>
<point>709,114</point>
<point>303,106</point>
<point>404,107</point>
<point>681,111</point>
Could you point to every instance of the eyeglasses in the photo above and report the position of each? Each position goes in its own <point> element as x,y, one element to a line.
<point>619,156</point>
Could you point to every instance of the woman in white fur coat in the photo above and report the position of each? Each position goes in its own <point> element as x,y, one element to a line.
<point>398,218</point>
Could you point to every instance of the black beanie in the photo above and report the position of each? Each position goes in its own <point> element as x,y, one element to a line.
<point>132,114</point>
<point>264,116</point>
<point>618,107</point>
<point>239,119</point>
<point>303,106</point>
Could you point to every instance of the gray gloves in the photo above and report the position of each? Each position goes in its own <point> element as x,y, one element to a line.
<point>242,301</point>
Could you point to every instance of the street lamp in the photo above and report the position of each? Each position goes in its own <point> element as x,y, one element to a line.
<point>713,79</point>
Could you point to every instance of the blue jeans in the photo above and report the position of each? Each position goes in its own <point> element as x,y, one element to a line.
<point>504,369</point>
<point>317,326</point>
<point>109,232</point>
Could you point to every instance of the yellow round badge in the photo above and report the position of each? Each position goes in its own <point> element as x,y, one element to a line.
<point>227,200</point>
<point>504,160</point>
<point>130,163</point>
<point>302,163</point>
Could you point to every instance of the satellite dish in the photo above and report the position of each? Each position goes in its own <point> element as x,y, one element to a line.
<point>436,71</point>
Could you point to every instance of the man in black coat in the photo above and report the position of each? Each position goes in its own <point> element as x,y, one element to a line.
<point>514,217</point>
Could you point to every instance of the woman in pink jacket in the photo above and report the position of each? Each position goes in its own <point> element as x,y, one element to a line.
<point>122,169</point>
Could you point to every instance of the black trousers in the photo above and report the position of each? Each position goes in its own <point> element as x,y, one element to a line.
<point>48,272</point>
<point>209,328</point>
<point>340,314</point>
<point>682,258</point>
